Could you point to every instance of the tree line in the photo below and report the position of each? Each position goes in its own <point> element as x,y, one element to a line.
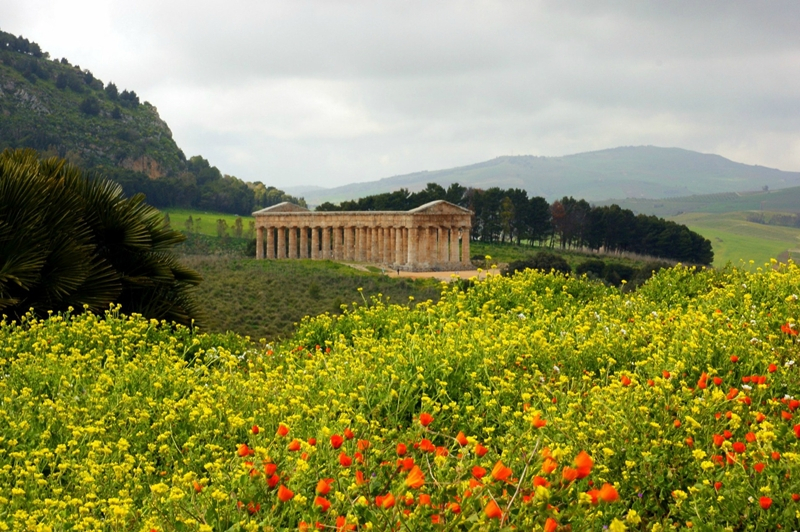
<point>509,215</point>
<point>203,187</point>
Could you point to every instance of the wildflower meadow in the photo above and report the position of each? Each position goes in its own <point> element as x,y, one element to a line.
<point>532,402</point>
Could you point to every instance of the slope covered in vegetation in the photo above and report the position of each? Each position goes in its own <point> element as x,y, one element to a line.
<point>536,402</point>
<point>63,110</point>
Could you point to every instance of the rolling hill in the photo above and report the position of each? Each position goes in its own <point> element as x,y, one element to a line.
<point>625,172</point>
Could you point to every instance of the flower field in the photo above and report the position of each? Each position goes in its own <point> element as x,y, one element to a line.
<point>536,402</point>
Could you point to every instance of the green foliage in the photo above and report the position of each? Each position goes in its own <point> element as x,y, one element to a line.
<point>70,241</point>
<point>543,261</point>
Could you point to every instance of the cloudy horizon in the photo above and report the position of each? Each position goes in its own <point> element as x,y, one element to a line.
<point>329,92</point>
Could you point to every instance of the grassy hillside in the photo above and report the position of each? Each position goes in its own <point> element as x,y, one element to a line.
<point>784,200</point>
<point>526,403</point>
<point>205,223</point>
<point>734,238</point>
<point>267,298</point>
<point>642,171</point>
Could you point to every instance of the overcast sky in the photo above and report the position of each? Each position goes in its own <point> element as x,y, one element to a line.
<point>327,92</point>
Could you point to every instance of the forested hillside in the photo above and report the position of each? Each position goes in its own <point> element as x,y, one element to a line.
<point>61,109</point>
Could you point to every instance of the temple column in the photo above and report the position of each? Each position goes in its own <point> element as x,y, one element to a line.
<point>348,243</point>
<point>388,245</point>
<point>373,244</point>
<point>281,243</point>
<point>270,242</point>
<point>361,244</point>
<point>465,246</point>
<point>413,244</point>
<point>292,243</point>
<point>315,243</point>
<point>453,244</point>
<point>398,245</point>
<point>337,243</point>
<point>442,234</point>
<point>304,242</point>
<point>424,245</point>
<point>404,255</point>
<point>326,243</point>
<point>260,243</point>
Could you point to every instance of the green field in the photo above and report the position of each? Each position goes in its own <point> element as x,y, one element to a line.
<point>781,200</point>
<point>205,223</point>
<point>733,238</point>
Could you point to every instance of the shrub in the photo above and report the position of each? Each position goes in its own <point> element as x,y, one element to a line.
<point>544,261</point>
<point>70,241</point>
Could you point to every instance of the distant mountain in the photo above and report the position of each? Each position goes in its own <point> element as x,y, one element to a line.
<point>626,172</point>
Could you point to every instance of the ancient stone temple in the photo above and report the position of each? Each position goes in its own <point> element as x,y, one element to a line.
<point>434,236</point>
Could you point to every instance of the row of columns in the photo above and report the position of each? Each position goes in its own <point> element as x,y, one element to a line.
<point>383,245</point>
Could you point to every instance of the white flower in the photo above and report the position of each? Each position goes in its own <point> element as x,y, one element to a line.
<point>746,387</point>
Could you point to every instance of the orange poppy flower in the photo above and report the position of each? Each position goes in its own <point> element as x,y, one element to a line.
<point>323,503</point>
<point>608,493</point>
<point>360,480</point>
<point>765,502</point>
<point>461,439</point>
<point>285,494</point>
<point>493,511</point>
<point>385,501</point>
<point>702,381</point>
<point>197,486</point>
<point>255,429</point>
<point>540,481</point>
<point>500,472</point>
<point>273,480</point>
<point>425,419</point>
<point>480,450</point>
<point>568,474</point>
<point>594,495</point>
<point>415,478</point>
<point>427,446</point>
<point>324,486</point>
<point>550,525</point>
<point>362,445</point>
<point>584,464</point>
<point>349,434</point>
<point>717,381</point>
<point>538,422</point>
<point>759,467</point>
<point>625,380</point>
<point>548,466</point>
<point>345,461</point>
<point>283,430</point>
<point>336,441</point>
<point>243,450</point>
<point>401,449</point>
<point>294,445</point>
<point>341,525</point>
<point>478,472</point>
<point>424,499</point>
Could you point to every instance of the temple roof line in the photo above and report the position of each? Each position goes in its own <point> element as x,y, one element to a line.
<point>433,207</point>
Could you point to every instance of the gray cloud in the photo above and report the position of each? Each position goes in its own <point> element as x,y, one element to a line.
<point>327,92</point>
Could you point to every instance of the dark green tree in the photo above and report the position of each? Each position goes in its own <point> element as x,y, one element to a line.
<point>90,106</point>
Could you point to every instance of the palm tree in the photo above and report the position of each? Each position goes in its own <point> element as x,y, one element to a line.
<point>70,240</point>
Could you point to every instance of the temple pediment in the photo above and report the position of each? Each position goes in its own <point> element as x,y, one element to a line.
<point>440,207</point>
<point>282,207</point>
